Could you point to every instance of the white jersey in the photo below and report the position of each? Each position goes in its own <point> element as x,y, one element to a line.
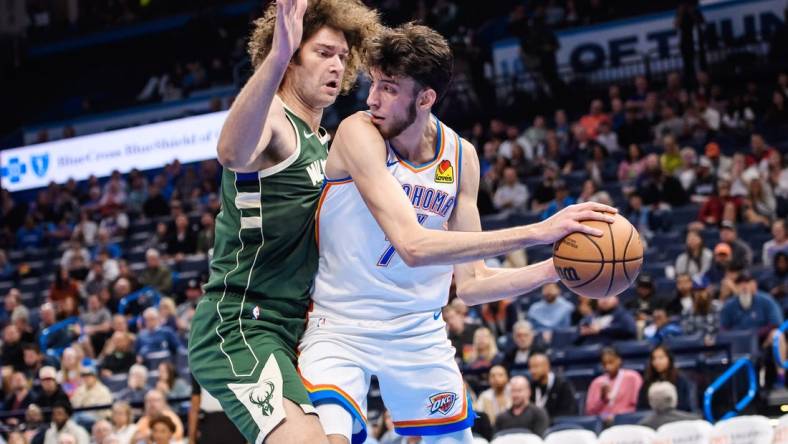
<point>360,275</point>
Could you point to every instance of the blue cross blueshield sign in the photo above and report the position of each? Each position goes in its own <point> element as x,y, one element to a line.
<point>40,164</point>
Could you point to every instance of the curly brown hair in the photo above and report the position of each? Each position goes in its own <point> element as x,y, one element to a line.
<point>415,51</point>
<point>357,22</point>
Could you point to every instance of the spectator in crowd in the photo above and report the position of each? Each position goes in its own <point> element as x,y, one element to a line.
<point>631,167</point>
<point>661,367</point>
<point>461,333</point>
<point>169,383</point>
<point>86,229</point>
<point>121,355</point>
<point>775,281</point>
<point>50,392</point>
<point>96,322</point>
<point>670,125</point>
<point>35,425</point>
<point>11,301</point>
<point>185,310</point>
<point>11,352</point>
<point>658,188</point>
<point>697,259</point>
<point>683,300</point>
<point>19,394</point>
<point>545,190</point>
<point>136,385</point>
<point>687,172</point>
<point>496,399</point>
<point>75,249</point>
<point>484,353</point>
<point>720,207</point>
<point>104,242</point>
<point>511,195</point>
<point>670,160</point>
<point>183,240</point>
<point>122,422</point>
<point>156,204</point>
<point>156,274</point>
<point>760,206</point>
<point>750,308</point>
<point>155,337</point>
<point>550,391</point>
<point>778,243</point>
<point>662,398</point>
<point>92,392</point>
<point>562,200</point>
<point>661,327</point>
<point>704,184</point>
<point>525,344</point>
<point>552,312</point>
<point>596,115</point>
<point>523,414</point>
<point>63,425</point>
<point>34,360</point>
<point>162,430</point>
<point>101,430</point>
<point>167,314</point>
<point>206,234</point>
<point>607,138</point>
<point>723,257</point>
<point>608,323</point>
<point>64,287</point>
<point>741,252</point>
<point>70,372</point>
<point>155,405</point>
<point>646,300</point>
<point>635,129</point>
<point>614,392</point>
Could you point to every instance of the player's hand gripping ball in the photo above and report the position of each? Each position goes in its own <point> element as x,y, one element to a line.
<point>598,267</point>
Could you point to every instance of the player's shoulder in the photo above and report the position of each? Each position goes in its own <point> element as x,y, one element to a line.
<point>469,153</point>
<point>358,121</point>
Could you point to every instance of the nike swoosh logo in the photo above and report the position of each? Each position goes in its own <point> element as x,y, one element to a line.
<point>308,135</point>
<point>436,315</point>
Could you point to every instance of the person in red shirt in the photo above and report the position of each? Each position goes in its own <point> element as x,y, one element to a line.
<point>595,116</point>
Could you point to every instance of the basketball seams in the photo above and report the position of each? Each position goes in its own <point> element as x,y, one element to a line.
<point>592,261</point>
<point>601,263</point>
<point>626,247</point>
<point>613,247</point>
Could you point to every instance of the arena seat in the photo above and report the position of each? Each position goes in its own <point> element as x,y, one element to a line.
<point>781,431</point>
<point>630,418</point>
<point>743,430</point>
<point>571,437</point>
<point>591,423</point>
<point>516,437</point>
<point>684,432</point>
<point>627,434</point>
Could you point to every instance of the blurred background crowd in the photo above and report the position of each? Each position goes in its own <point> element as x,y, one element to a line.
<point>100,278</point>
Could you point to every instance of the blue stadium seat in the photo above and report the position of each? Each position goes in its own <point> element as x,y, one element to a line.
<point>742,342</point>
<point>682,216</point>
<point>580,377</point>
<point>591,423</point>
<point>116,382</point>
<point>153,359</point>
<point>587,354</point>
<point>629,418</point>
<point>563,338</point>
<point>633,349</point>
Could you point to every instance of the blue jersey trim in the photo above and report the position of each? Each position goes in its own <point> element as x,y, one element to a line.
<point>331,397</point>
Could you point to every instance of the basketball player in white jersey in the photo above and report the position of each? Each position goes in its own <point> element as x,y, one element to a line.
<point>384,271</point>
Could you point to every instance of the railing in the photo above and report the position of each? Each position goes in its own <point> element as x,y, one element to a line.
<point>778,359</point>
<point>708,395</point>
<point>54,328</point>
<point>148,292</point>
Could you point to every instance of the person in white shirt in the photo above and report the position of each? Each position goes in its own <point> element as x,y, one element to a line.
<point>496,399</point>
<point>511,194</point>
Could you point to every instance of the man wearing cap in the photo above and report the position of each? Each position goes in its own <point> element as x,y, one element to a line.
<point>742,253</point>
<point>647,300</point>
<point>50,391</point>
<point>185,311</point>
<point>705,183</point>
<point>721,164</point>
<point>91,392</point>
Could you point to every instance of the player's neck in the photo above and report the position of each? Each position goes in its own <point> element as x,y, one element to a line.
<point>301,108</point>
<point>417,142</point>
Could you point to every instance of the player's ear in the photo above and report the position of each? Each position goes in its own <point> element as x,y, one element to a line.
<point>427,98</point>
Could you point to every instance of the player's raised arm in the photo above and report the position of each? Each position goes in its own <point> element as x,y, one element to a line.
<point>475,283</point>
<point>359,151</point>
<point>253,117</point>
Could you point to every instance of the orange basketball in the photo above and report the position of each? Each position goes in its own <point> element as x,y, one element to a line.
<point>597,267</point>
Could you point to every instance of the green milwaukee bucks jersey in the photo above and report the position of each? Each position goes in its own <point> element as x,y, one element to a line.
<point>264,246</point>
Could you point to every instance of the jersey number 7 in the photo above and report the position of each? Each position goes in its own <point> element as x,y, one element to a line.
<point>385,258</point>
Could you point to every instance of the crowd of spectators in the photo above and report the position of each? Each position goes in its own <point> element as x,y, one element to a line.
<point>698,167</point>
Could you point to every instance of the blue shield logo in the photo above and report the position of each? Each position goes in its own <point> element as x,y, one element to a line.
<point>40,164</point>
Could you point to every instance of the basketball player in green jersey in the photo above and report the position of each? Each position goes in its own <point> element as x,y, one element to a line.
<point>245,330</point>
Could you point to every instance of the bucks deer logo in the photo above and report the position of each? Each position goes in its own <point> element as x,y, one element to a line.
<point>264,402</point>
